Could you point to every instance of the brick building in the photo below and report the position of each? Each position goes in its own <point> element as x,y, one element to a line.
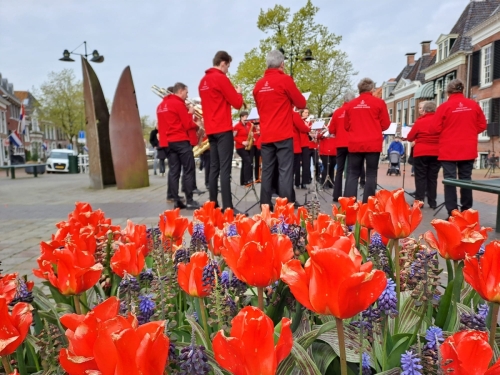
<point>13,111</point>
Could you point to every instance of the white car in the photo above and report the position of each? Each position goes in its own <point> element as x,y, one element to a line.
<point>58,160</point>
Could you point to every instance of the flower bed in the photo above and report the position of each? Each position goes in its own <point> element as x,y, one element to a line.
<point>292,290</point>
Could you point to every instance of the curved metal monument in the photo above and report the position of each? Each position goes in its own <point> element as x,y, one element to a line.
<point>97,116</point>
<point>125,134</point>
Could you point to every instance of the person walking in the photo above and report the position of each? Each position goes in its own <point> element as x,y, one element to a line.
<point>366,117</point>
<point>458,121</point>
<point>425,155</point>
<point>153,141</point>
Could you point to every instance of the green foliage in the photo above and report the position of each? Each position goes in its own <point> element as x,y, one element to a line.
<point>327,77</point>
<point>147,125</point>
<point>60,102</point>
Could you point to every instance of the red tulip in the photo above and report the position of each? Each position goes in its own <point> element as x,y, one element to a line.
<point>211,217</point>
<point>250,349</point>
<point>330,279</point>
<point>67,268</point>
<point>93,222</point>
<point>365,211</point>
<point>324,232</point>
<point>189,276</point>
<point>172,226</point>
<point>14,372</point>
<point>104,343</point>
<point>452,243</point>
<point>468,219</point>
<point>494,370</point>
<point>349,208</point>
<point>217,242</point>
<point>396,219</point>
<point>136,233</point>
<point>14,327</point>
<point>466,353</point>
<point>483,273</point>
<point>9,285</point>
<point>128,258</point>
<point>256,256</point>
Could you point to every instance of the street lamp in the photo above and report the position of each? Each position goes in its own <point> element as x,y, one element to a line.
<point>295,55</point>
<point>95,55</point>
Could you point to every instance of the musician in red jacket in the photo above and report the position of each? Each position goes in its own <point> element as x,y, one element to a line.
<point>336,128</point>
<point>256,150</point>
<point>217,97</point>
<point>299,129</point>
<point>458,121</point>
<point>275,95</point>
<point>240,132</point>
<point>425,155</point>
<point>327,153</point>
<point>178,122</point>
<point>366,117</point>
<point>305,141</point>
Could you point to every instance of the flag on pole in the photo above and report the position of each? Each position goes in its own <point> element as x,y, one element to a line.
<point>15,139</point>
<point>22,120</point>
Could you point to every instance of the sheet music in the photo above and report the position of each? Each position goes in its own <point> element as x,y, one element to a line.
<point>253,115</point>
<point>318,125</point>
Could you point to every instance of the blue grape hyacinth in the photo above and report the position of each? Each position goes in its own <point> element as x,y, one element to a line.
<point>433,336</point>
<point>231,230</point>
<point>365,364</point>
<point>410,364</point>
<point>146,308</point>
<point>387,302</point>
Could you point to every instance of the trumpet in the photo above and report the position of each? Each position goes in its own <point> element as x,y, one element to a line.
<point>161,92</point>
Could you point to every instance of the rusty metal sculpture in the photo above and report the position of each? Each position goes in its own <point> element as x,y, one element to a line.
<point>125,132</point>
<point>97,115</point>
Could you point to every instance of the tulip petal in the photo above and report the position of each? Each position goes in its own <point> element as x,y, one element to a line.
<point>285,342</point>
<point>295,277</point>
<point>153,341</point>
<point>494,370</point>
<point>76,365</point>
<point>229,353</point>
<point>256,264</point>
<point>449,238</point>
<point>468,351</point>
<point>382,223</point>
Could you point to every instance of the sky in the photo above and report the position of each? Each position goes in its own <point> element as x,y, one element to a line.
<point>165,41</point>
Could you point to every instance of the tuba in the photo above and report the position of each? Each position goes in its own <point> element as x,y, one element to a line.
<point>201,148</point>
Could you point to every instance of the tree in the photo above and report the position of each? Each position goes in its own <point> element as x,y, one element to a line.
<point>147,125</point>
<point>327,77</point>
<point>60,103</point>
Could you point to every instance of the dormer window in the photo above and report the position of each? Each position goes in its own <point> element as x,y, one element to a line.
<point>445,43</point>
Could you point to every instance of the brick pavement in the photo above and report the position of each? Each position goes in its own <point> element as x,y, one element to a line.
<point>30,207</point>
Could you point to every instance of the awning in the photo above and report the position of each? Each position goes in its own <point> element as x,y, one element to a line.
<point>425,91</point>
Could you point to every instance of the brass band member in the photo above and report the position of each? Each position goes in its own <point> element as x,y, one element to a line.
<point>328,155</point>
<point>300,129</point>
<point>241,134</point>
<point>306,151</point>
<point>275,95</point>
<point>179,121</point>
<point>255,151</point>
<point>217,96</point>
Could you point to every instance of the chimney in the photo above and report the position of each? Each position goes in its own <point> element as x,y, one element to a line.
<point>426,47</point>
<point>410,58</point>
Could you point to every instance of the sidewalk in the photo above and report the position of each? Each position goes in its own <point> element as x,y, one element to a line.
<point>30,207</point>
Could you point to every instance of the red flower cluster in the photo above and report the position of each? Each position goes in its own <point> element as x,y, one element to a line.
<point>102,342</point>
<point>349,208</point>
<point>458,237</point>
<point>483,273</point>
<point>282,211</point>
<point>189,276</point>
<point>14,326</point>
<point>9,285</point>
<point>172,227</point>
<point>250,349</point>
<point>330,279</point>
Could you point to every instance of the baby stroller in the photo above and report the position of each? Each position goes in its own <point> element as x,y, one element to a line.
<point>394,161</point>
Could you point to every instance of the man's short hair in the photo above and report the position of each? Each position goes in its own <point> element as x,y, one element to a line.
<point>222,56</point>
<point>179,86</point>
<point>274,59</point>
<point>366,85</point>
<point>455,86</point>
<point>243,114</point>
<point>348,96</point>
<point>429,107</point>
<point>170,88</point>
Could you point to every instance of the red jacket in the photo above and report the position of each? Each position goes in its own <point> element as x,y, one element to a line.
<point>241,134</point>
<point>193,137</point>
<point>426,144</point>
<point>328,146</point>
<point>174,119</point>
<point>299,128</point>
<point>256,138</point>
<point>304,137</point>
<point>337,128</point>
<point>217,96</point>
<point>366,117</point>
<point>458,121</point>
<point>275,95</point>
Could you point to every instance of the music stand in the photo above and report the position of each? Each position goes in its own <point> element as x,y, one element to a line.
<point>251,187</point>
<point>493,164</point>
<point>314,190</point>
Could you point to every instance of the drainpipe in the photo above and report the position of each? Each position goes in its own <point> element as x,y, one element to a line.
<point>468,72</point>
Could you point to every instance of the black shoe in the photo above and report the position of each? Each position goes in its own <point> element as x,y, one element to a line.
<point>192,205</point>
<point>171,199</point>
<point>303,187</point>
<point>198,191</point>
<point>179,204</point>
<point>297,186</point>
<point>207,187</point>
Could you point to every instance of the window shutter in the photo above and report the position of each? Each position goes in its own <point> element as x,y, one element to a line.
<point>495,110</point>
<point>496,59</point>
<point>476,66</point>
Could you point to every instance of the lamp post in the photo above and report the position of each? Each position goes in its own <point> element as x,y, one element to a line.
<point>295,55</point>
<point>95,55</point>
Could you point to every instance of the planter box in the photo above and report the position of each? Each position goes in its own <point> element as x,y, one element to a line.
<point>40,169</point>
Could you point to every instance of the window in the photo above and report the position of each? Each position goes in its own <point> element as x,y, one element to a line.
<point>405,112</point>
<point>14,112</point>
<point>390,114</point>
<point>398,113</point>
<point>439,91</point>
<point>412,110</point>
<point>485,106</point>
<point>486,66</point>
<point>3,122</point>
<point>440,53</point>
<point>27,134</point>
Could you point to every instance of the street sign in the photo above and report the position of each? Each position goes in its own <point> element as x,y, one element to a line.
<point>81,134</point>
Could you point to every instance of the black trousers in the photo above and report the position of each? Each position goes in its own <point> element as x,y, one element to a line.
<point>342,153</point>
<point>246,167</point>
<point>356,163</point>
<point>205,157</point>
<point>306,165</point>
<point>464,168</point>
<point>315,162</point>
<point>221,157</point>
<point>328,168</point>
<point>297,158</point>
<point>281,153</point>
<point>255,155</point>
<point>181,156</point>
<point>426,175</point>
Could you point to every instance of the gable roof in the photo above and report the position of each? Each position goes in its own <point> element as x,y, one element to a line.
<point>21,95</point>
<point>474,13</point>
<point>414,72</point>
